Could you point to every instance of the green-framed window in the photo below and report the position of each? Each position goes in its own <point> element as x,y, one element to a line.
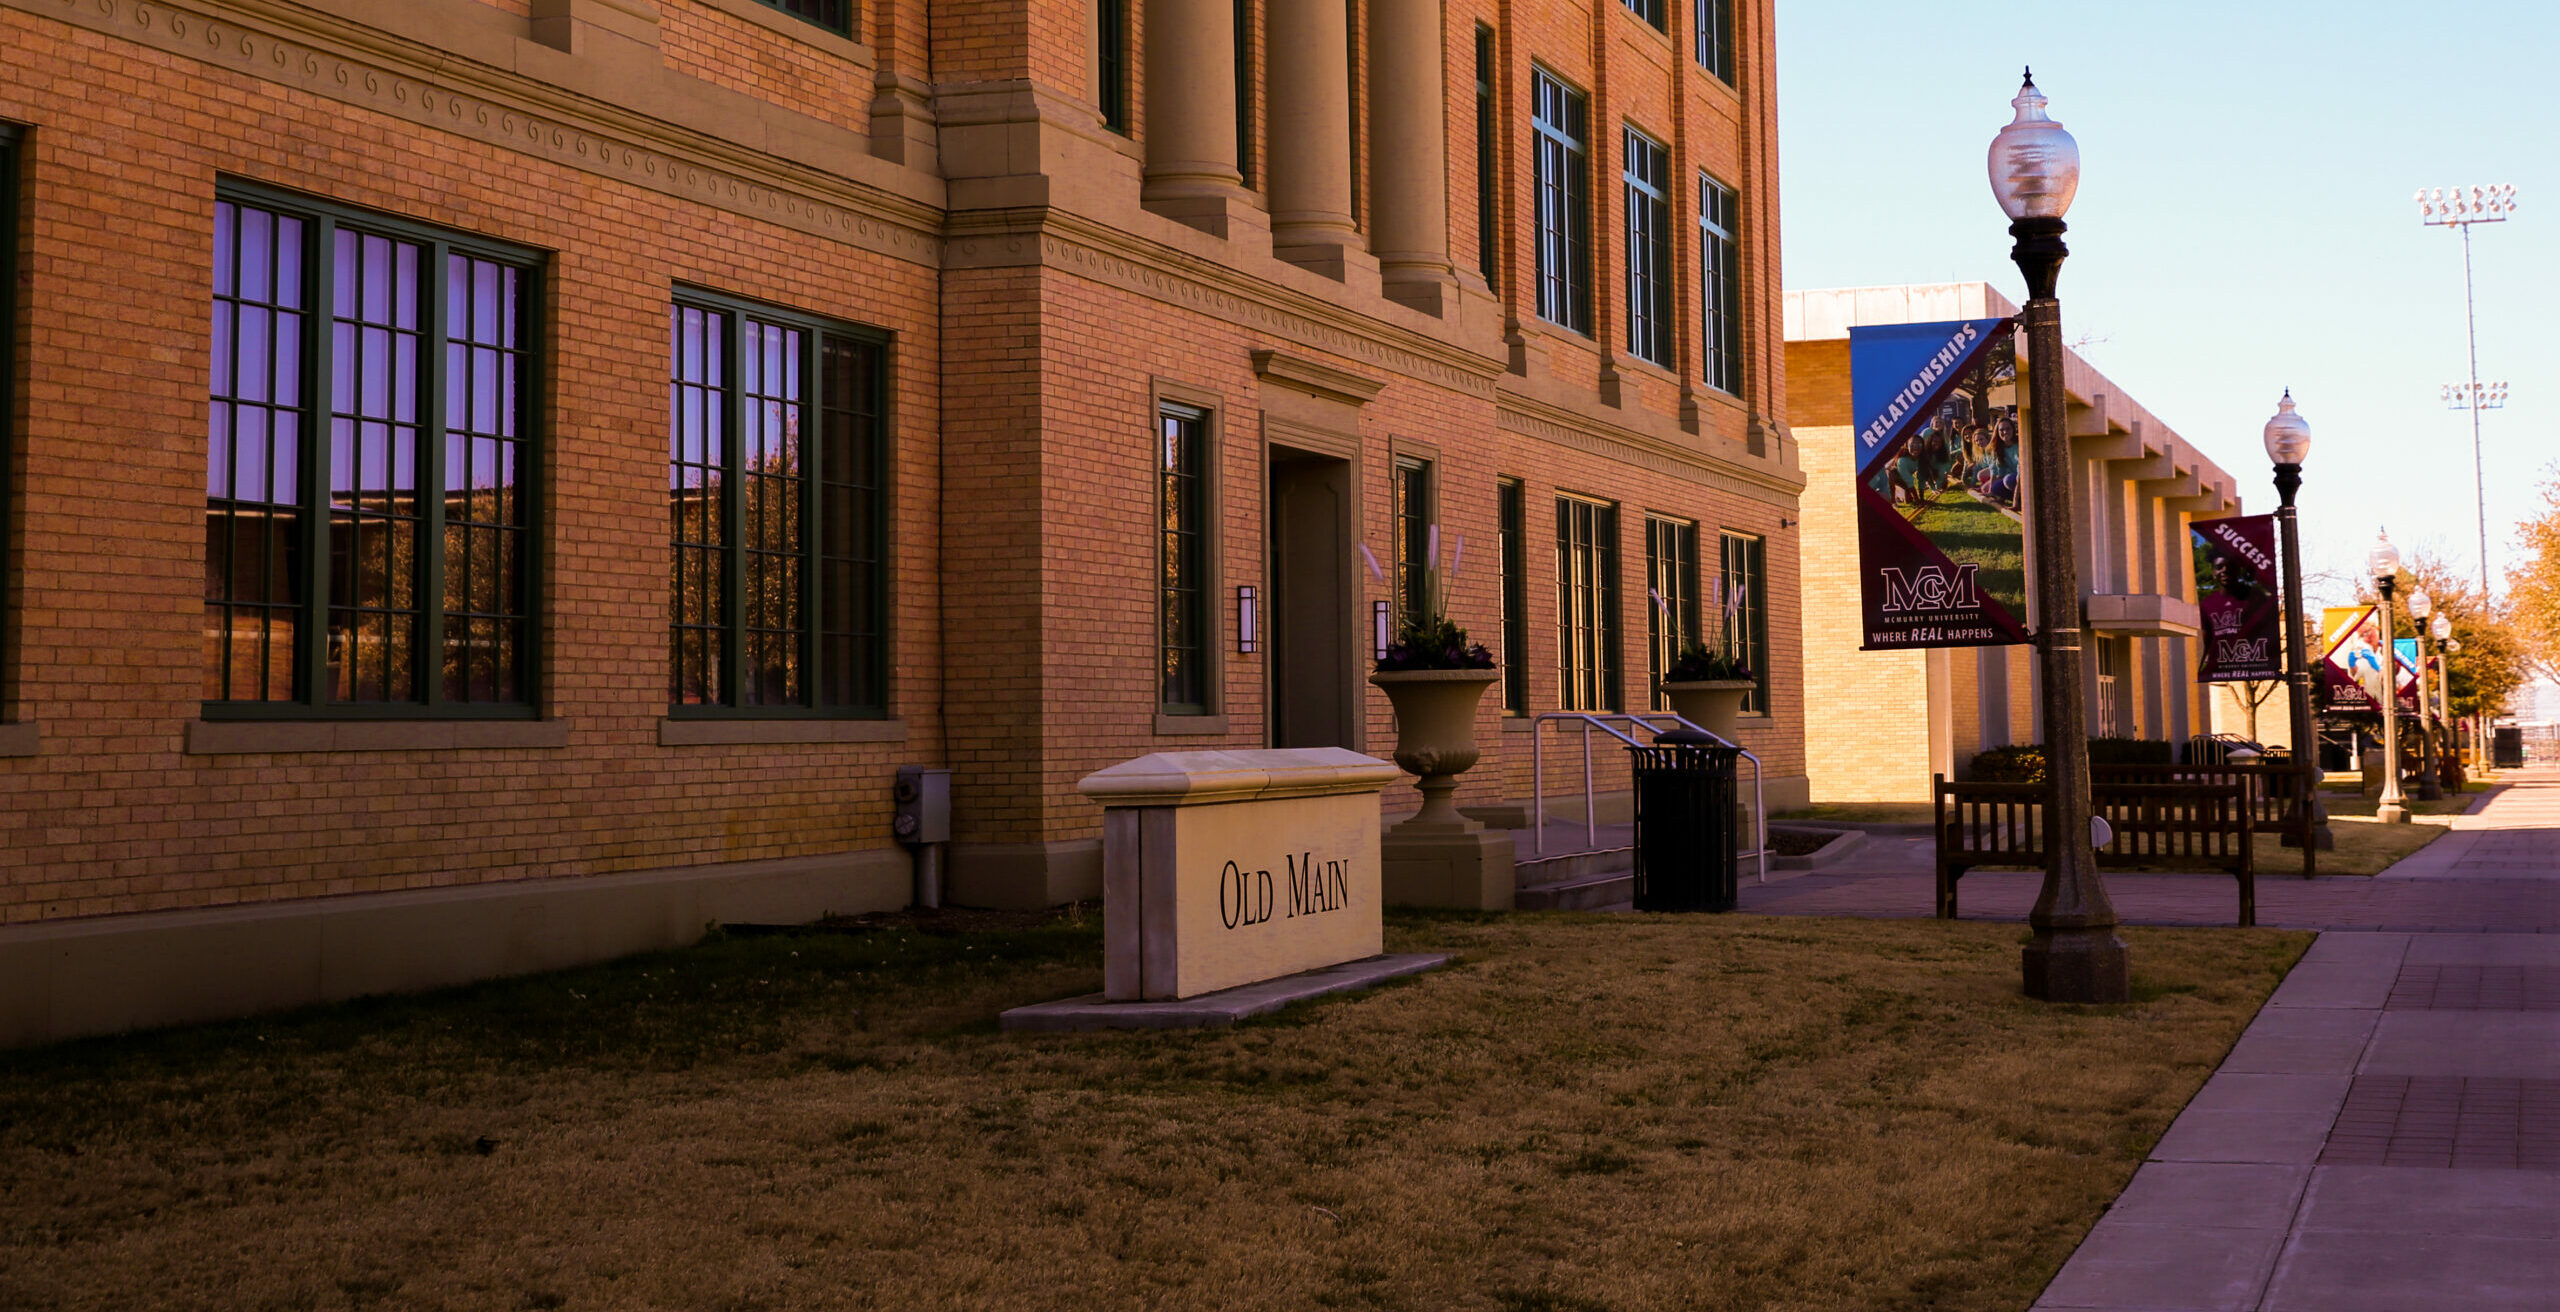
<point>1414,518</point>
<point>1111,63</point>
<point>1744,600</point>
<point>1488,192</point>
<point>1671,567</point>
<point>1586,604</point>
<point>834,15</point>
<point>1511,518</point>
<point>777,501</point>
<point>1715,38</point>
<point>1560,124</point>
<point>1647,175</point>
<point>9,136</point>
<point>369,542</point>
<point>1183,614</point>
<point>1720,284</point>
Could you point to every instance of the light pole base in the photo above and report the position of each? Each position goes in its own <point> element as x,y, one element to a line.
<point>2391,813</point>
<point>2076,965</point>
<point>2321,839</point>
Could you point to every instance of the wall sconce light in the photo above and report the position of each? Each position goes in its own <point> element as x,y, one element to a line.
<point>1378,616</point>
<point>1248,624</point>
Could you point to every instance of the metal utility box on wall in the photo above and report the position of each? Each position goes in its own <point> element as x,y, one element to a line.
<point>923,798</point>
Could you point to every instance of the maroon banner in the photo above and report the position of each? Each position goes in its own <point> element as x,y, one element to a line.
<point>2238,599</point>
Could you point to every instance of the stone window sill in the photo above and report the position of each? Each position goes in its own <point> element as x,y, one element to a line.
<point>20,739</point>
<point>239,737</point>
<point>673,732</point>
<point>1201,726</point>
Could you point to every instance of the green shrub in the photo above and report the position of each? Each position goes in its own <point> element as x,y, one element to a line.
<point>2023,763</point>
<point>2017,764</point>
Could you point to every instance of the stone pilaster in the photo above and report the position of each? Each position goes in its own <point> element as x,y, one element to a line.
<point>1309,97</point>
<point>1191,173</point>
<point>1409,163</point>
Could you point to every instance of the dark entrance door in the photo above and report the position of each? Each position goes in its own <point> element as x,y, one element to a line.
<point>1314,702</point>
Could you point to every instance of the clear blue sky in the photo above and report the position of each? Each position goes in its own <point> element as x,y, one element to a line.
<point>2244,221</point>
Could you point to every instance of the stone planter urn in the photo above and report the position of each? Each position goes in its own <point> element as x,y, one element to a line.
<point>1714,705</point>
<point>1436,733</point>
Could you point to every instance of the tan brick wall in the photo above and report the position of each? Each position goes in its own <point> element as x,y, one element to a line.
<point>1869,738</point>
<point>1022,450</point>
<point>112,817</point>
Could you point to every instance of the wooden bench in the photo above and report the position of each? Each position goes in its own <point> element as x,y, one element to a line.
<point>2276,790</point>
<point>2200,825</point>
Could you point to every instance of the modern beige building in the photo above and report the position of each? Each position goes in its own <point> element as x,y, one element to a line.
<point>1879,724</point>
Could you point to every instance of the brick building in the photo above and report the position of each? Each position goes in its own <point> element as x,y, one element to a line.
<point>2136,486</point>
<point>497,483</point>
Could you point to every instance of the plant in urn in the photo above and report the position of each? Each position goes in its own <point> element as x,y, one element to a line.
<point>1434,678</point>
<point>1707,681</point>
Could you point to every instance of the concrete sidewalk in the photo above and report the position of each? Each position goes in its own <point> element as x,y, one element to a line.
<point>2386,1134</point>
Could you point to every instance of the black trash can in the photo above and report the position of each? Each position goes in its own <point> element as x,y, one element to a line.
<point>1684,793</point>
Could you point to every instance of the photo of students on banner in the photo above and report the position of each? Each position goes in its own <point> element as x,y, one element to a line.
<point>2235,561</point>
<point>1940,455</point>
<point>2351,663</point>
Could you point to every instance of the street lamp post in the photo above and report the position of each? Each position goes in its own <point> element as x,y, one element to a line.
<point>2445,647</point>
<point>2288,438</point>
<point>2074,954</point>
<point>2383,563</point>
<point>2430,788</point>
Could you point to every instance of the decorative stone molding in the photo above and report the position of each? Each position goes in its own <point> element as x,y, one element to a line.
<point>1531,418</point>
<point>674,732</point>
<point>1316,378</point>
<point>483,97</point>
<point>247,737</point>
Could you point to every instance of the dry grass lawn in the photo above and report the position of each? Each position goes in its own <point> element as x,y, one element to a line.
<point>1586,1113</point>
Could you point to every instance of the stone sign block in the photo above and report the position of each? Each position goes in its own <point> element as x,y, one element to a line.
<point>1227,868</point>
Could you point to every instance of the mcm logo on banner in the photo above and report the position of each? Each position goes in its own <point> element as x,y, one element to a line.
<point>1930,588</point>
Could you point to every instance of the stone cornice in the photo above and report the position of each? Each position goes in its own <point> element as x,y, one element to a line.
<point>322,53</point>
<point>1316,377</point>
<point>1529,417</point>
<point>1063,240</point>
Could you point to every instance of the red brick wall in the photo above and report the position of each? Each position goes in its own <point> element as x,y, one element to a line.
<point>725,50</point>
<point>112,816</point>
<point>1025,623</point>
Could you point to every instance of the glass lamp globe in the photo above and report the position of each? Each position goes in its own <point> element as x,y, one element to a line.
<point>2288,434</point>
<point>2383,562</point>
<point>2453,646</point>
<point>2443,628</point>
<point>2420,604</point>
<point>2035,165</point>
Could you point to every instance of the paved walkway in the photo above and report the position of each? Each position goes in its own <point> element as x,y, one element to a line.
<point>2386,1134</point>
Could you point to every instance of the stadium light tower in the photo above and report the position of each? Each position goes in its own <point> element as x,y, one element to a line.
<point>2453,207</point>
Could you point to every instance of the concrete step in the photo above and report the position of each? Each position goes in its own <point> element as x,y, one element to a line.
<point>1589,892</point>
<point>1564,867</point>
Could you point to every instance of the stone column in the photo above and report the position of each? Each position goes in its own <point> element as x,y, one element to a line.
<point>1191,115</point>
<point>1409,155</point>
<point>1309,99</point>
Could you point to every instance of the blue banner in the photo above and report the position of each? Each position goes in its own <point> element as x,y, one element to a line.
<point>1940,484</point>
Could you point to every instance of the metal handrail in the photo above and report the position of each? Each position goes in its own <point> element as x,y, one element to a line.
<point>1642,720</point>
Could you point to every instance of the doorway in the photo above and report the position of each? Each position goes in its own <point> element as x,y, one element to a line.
<point>1314,702</point>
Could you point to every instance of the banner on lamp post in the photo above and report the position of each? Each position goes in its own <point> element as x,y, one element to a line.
<point>2351,662</point>
<point>1940,451</point>
<point>2237,598</point>
<point>2407,648</point>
